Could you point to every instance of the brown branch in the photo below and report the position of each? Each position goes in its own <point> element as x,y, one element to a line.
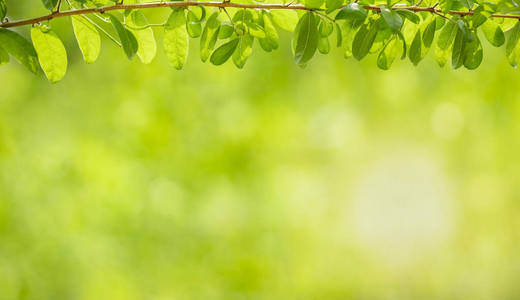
<point>104,9</point>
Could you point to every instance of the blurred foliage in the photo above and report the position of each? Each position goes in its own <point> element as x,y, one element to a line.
<point>338,181</point>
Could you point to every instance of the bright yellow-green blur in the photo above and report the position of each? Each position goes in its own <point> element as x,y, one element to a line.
<point>338,181</point>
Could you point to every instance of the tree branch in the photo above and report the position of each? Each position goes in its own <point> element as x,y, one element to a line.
<point>104,9</point>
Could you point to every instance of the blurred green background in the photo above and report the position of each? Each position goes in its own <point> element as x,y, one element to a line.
<point>338,181</point>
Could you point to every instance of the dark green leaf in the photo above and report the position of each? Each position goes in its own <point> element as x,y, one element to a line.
<point>457,54</point>
<point>3,9</point>
<point>512,45</point>
<point>306,39</point>
<point>243,50</point>
<point>4,56</point>
<point>392,18</point>
<point>363,40</point>
<point>352,11</point>
<point>20,49</point>
<point>225,32</point>
<point>473,54</point>
<point>410,15</point>
<point>50,4</point>
<point>128,40</point>
<point>339,36</point>
<point>224,52</point>
<point>429,33</point>
<point>415,53</point>
<point>332,5</point>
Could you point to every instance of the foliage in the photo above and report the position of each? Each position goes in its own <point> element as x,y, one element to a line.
<point>361,28</point>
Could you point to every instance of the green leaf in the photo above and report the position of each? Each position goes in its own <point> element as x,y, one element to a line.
<point>512,45</point>
<point>332,5</point>
<point>270,42</point>
<point>50,4</point>
<point>147,48</point>
<point>3,9</point>
<point>323,45</point>
<point>193,25</point>
<point>387,56</point>
<point>363,40</point>
<point>493,33</point>
<point>473,54</point>
<point>224,52</point>
<point>285,19</point>
<point>128,40</point>
<point>176,39</point>
<point>225,32</point>
<point>209,36</point>
<point>87,37</point>
<point>325,28</point>
<point>444,42</point>
<point>457,54</point>
<point>255,30</point>
<point>20,49</point>
<point>466,3</point>
<point>306,39</point>
<point>392,18</point>
<point>243,50</point>
<point>415,53</point>
<point>51,52</point>
<point>4,56</point>
<point>339,36</point>
<point>352,11</point>
<point>410,15</point>
<point>429,33</point>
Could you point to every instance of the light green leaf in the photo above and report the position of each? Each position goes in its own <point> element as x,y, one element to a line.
<point>243,50</point>
<point>285,19</point>
<point>270,42</point>
<point>127,38</point>
<point>444,42</point>
<point>4,56</point>
<point>387,56</point>
<point>429,33</point>
<point>193,25</point>
<point>323,45</point>
<point>51,52</point>
<point>512,45</point>
<point>415,52</point>
<point>209,36</point>
<point>314,3</point>
<point>20,49</point>
<point>225,31</point>
<point>339,35</point>
<point>87,37</point>
<point>138,25</point>
<point>325,28</point>
<point>493,33</point>
<point>224,52</point>
<point>176,39</point>
<point>306,41</point>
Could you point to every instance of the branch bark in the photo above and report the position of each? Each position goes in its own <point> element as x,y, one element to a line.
<point>84,11</point>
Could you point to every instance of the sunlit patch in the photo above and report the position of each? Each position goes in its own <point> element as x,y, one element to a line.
<point>447,120</point>
<point>333,128</point>
<point>402,209</point>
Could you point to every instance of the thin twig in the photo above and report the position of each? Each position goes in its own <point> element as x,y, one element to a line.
<point>104,9</point>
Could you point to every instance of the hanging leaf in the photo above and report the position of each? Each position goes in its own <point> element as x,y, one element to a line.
<point>444,42</point>
<point>323,45</point>
<point>410,15</point>
<point>51,52</point>
<point>243,50</point>
<point>363,40</point>
<point>209,36</point>
<point>224,52</point>
<point>20,49</point>
<point>457,54</point>
<point>339,35</point>
<point>270,42</point>
<point>193,25</point>
<point>138,25</point>
<point>473,53</point>
<point>128,40</point>
<point>415,53</point>
<point>392,18</point>
<point>314,3</point>
<point>4,56</point>
<point>306,41</point>
<point>512,45</point>
<point>332,5</point>
<point>387,56</point>
<point>3,9</point>
<point>493,33</point>
<point>352,11</point>
<point>176,39</point>
<point>87,37</point>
